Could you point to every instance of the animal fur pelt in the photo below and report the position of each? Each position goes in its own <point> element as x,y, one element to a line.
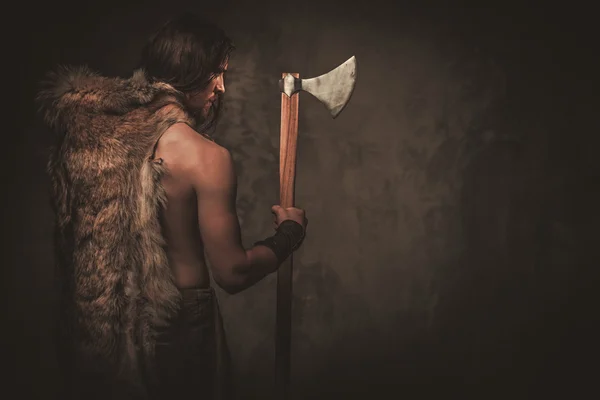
<point>106,195</point>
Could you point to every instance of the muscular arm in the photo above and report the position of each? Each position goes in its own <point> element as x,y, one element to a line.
<point>214,181</point>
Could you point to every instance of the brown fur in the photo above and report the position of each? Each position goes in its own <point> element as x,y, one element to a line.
<point>107,195</point>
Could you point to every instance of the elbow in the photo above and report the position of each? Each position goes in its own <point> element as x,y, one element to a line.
<point>229,282</point>
<point>233,277</point>
<point>229,288</point>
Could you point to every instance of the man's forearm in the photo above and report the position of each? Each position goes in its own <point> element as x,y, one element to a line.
<point>264,257</point>
<point>260,262</point>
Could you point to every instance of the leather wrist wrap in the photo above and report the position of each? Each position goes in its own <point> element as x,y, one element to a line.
<point>288,238</point>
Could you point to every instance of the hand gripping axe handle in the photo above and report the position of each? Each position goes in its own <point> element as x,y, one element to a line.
<point>334,90</point>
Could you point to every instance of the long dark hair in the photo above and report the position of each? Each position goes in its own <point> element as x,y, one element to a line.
<point>187,52</point>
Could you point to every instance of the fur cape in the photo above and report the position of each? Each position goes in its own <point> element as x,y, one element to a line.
<point>106,195</point>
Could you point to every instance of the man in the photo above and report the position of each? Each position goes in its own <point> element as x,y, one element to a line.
<point>141,195</point>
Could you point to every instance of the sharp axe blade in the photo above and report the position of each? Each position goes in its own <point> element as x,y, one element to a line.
<point>333,89</point>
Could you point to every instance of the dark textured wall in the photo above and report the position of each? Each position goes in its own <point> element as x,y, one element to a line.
<point>451,204</point>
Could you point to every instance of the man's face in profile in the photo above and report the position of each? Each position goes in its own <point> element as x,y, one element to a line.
<point>202,101</point>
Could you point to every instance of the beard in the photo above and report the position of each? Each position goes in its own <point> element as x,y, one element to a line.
<point>206,117</point>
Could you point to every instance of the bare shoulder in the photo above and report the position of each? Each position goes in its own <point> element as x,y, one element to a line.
<point>192,156</point>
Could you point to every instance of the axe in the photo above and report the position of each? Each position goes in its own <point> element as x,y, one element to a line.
<point>334,90</point>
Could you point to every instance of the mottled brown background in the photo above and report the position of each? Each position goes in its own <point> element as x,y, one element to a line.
<point>453,229</point>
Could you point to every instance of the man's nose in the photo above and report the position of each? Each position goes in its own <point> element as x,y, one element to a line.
<point>220,87</point>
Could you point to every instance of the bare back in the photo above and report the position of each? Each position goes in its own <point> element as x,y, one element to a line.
<point>179,219</point>
<point>200,222</point>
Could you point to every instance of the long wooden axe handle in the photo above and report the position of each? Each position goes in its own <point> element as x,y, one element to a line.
<point>287,180</point>
<point>333,89</point>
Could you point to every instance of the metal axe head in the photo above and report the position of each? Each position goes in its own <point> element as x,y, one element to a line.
<point>334,88</point>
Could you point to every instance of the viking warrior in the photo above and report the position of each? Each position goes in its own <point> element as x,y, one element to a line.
<point>145,206</point>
